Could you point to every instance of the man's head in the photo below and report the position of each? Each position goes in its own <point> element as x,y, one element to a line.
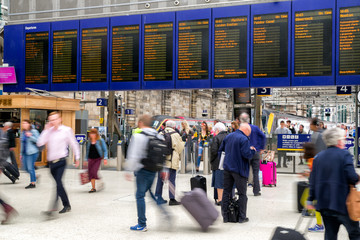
<point>282,124</point>
<point>301,127</point>
<point>219,127</point>
<point>171,124</point>
<point>245,128</point>
<point>244,118</point>
<point>334,137</point>
<point>54,119</point>
<point>314,124</point>
<point>145,121</point>
<point>321,125</point>
<point>288,123</point>
<point>7,126</point>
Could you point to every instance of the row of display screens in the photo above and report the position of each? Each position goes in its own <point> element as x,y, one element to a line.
<point>312,49</point>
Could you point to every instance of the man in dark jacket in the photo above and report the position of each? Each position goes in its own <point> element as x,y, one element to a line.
<point>11,141</point>
<point>333,172</point>
<point>257,140</point>
<point>217,174</point>
<point>236,169</point>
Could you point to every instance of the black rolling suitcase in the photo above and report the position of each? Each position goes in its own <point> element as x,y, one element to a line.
<point>11,172</point>
<point>300,188</point>
<point>197,181</point>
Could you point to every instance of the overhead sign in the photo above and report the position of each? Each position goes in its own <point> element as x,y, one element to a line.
<point>101,102</point>
<point>242,95</point>
<point>264,92</point>
<point>80,138</point>
<point>343,90</point>
<point>129,111</point>
<point>292,142</point>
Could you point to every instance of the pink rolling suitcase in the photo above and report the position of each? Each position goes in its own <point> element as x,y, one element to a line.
<point>269,173</point>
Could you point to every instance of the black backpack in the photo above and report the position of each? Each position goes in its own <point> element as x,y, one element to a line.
<point>156,156</point>
<point>169,149</point>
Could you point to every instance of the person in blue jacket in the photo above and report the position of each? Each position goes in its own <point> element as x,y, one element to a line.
<point>238,153</point>
<point>333,172</point>
<point>96,150</point>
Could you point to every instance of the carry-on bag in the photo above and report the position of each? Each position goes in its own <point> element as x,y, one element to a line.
<point>200,208</point>
<point>197,181</point>
<point>300,189</point>
<point>11,172</point>
<point>269,173</point>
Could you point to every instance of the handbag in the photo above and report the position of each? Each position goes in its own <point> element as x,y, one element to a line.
<point>84,178</point>
<point>221,163</point>
<point>353,203</point>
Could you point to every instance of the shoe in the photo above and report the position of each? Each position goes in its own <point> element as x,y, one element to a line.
<point>65,209</point>
<point>317,228</point>
<point>92,190</point>
<point>250,185</point>
<point>257,194</point>
<point>30,186</point>
<point>161,201</point>
<point>138,228</point>
<point>9,213</point>
<point>218,203</point>
<point>244,220</point>
<point>173,202</point>
<point>305,214</point>
<point>285,166</point>
<point>301,163</point>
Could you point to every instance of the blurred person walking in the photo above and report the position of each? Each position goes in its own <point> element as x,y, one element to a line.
<point>332,173</point>
<point>204,136</point>
<point>217,174</point>
<point>258,141</point>
<point>171,164</point>
<point>281,154</point>
<point>29,152</point>
<point>238,152</point>
<point>140,161</point>
<point>10,134</point>
<point>58,138</point>
<point>96,151</point>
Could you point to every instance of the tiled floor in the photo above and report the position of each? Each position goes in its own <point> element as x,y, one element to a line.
<point>109,213</point>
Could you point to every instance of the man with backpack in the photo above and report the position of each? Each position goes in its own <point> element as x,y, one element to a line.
<point>145,158</point>
<point>175,146</point>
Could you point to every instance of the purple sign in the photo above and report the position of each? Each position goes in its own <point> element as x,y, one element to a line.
<point>7,75</point>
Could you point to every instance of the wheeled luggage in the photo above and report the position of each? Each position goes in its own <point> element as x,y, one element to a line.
<point>11,172</point>
<point>268,170</point>
<point>300,188</point>
<point>200,207</point>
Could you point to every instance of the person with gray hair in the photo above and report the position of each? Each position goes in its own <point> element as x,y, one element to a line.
<point>332,173</point>
<point>171,163</point>
<point>217,174</point>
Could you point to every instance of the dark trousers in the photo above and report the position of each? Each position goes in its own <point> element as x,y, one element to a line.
<point>160,184</point>
<point>281,154</point>
<point>333,220</point>
<point>255,164</point>
<point>144,181</point>
<point>231,178</point>
<point>57,170</point>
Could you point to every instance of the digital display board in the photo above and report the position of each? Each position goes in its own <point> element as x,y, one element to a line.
<point>349,43</point>
<point>270,45</point>
<point>158,51</point>
<point>37,58</point>
<point>313,43</point>
<point>230,48</point>
<point>125,53</point>
<point>242,95</point>
<point>94,55</point>
<point>193,50</point>
<point>64,65</point>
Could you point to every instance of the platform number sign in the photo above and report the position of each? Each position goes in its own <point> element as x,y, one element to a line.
<point>101,102</point>
<point>343,90</point>
<point>262,92</point>
<point>80,138</point>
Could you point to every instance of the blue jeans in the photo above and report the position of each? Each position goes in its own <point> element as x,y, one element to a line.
<point>144,181</point>
<point>160,184</point>
<point>29,163</point>
<point>201,148</point>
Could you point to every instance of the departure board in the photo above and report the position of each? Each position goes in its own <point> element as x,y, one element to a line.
<point>64,56</point>
<point>158,52</point>
<point>37,58</point>
<point>230,48</point>
<point>313,43</point>
<point>125,53</point>
<point>94,55</point>
<point>193,50</point>
<point>270,45</point>
<point>349,43</point>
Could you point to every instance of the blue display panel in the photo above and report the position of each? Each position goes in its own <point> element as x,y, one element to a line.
<point>348,42</point>
<point>14,55</point>
<point>37,55</point>
<point>230,47</point>
<point>193,49</point>
<point>270,45</point>
<point>95,57</point>
<point>65,56</point>
<point>313,43</point>
<point>158,44</point>
<point>125,53</point>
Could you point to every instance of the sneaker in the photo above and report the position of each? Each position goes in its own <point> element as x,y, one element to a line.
<point>30,186</point>
<point>161,201</point>
<point>244,220</point>
<point>138,228</point>
<point>173,202</point>
<point>317,228</point>
<point>257,194</point>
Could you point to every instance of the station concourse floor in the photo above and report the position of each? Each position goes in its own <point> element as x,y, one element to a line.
<point>109,213</point>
